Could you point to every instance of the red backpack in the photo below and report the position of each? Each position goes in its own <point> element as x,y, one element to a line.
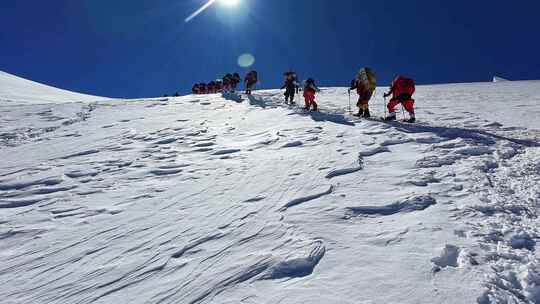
<point>403,85</point>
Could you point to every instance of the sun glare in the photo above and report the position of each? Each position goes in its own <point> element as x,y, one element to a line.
<point>229,2</point>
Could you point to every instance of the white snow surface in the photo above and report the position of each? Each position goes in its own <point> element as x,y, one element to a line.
<point>17,90</point>
<point>499,79</point>
<point>236,199</point>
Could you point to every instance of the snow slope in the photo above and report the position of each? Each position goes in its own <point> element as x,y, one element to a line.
<point>235,199</point>
<point>14,89</point>
<point>499,79</point>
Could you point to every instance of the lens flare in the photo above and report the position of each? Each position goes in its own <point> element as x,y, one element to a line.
<point>246,60</point>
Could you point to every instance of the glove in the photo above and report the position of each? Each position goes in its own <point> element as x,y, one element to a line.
<point>386,95</point>
<point>349,90</point>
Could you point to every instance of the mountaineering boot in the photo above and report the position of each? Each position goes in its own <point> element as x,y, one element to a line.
<point>411,120</point>
<point>390,118</point>
<point>366,114</point>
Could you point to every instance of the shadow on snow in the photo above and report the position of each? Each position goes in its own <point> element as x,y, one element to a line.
<point>441,131</point>
<point>325,117</point>
<point>456,132</point>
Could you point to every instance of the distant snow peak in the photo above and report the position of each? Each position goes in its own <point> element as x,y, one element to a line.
<point>499,79</point>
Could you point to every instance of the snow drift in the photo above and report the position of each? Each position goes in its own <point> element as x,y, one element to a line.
<point>241,199</point>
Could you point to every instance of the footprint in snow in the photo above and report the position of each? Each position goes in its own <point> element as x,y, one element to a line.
<point>453,256</point>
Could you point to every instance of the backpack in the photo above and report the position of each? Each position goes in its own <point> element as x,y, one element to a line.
<point>367,77</point>
<point>403,85</point>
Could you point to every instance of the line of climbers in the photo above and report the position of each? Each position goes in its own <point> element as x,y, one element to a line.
<point>365,84</point>
<point>226,84</point>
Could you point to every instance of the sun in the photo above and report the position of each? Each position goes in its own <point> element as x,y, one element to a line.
<point>229,2</point>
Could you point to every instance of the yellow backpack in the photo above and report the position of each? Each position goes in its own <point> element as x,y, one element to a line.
<point>368,78</point>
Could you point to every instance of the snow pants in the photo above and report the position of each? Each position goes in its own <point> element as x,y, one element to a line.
<point>309,98</point>
<point>406,101</point>
<point>289,94</point>
<point>249,86</point>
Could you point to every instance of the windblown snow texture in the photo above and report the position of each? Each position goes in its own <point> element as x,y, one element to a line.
<point>235,199</point>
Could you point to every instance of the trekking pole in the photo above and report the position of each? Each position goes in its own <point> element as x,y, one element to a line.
<point>402,112</point>
<point>349,101</point>
<point>384,106</point>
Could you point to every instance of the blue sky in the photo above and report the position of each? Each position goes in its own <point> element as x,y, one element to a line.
<point>136,48</point>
